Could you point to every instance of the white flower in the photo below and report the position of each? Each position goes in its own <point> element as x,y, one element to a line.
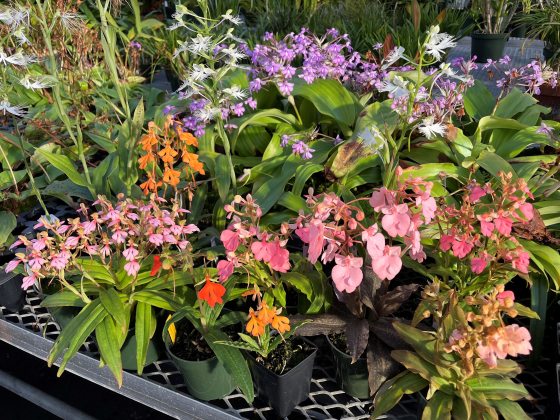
<point>234,54</point>
<point>397,87</point>
<point>372,137</point>
<point>37,82</point>
<point>431,129</point>
<point>7,108</point>
<point>207,113</point>
<point>236,20</point>
<point>200,73</point>
<point>14,17</point>
<point>235,92</point>
<point>437,43</point>
<point>199,45</point>
<point>395,55</point>
<point>21,37</point>
<point>71,21</point>
<point>18,59</point>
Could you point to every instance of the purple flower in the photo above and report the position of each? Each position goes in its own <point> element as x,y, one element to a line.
<point>238,109</point>
<point>546,130</point>
<point>251,103</point>
<point>135,44</point>
<point>168,109</point>
<point>285,140</point>
<point>285,87</point>
<point>302,149</point>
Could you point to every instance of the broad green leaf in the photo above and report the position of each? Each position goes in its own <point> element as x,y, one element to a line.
<point>546,258</point>
<point>64,164</point>
<point>391,392</point>
<point>96,271</point>
<point>433,171</point>
<point>415,363</point>
<point>303,173</point>
<point>514,103</point>
<point>379,114</point>
<point>516,144</point>
<point>479,101</point>
<point>230,318</point>
<point>510,410</point>
<point>439,407</point>
<point>159,299</point>
<point>108,343</point>
<point>497,388</point>
<point>330,98</point>
<point>494,164</point>
<point>7,224</point>
<point>293,202</point>
<point>113,304</point>
<point>62,298</point>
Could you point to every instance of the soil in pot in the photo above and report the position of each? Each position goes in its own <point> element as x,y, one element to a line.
<point>351,377</point>
<point>283,379</point>
<point>486,46</point>
<point>205,376</point>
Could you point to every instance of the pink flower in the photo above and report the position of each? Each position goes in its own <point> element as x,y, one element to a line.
<point>375,245</point>
<point>156,239</point>
<point>316,240</point>
<point>347,273</point>
<point>39,244</point>
<point>445,242</point>
<point>303,234</point>
<point>486,228</point>
<point>518,340</point>
<point>230,239</point>
<point>187,230</point>
<point>429,208</point>
<point>527,210</point>
<point>503,225</point>
<point>11,266</point>
<point>119,236</point>
<point>476,193</point>
<point>511,340</point>
<point>225,269</point>
<point>59,262</point>
<point>260,250</point>
<point>132,268</point>
<point>396,221</point>
<point>382,199</point>
<point>130,253</point>
<point>389,264</point>
<point>279,257</point>
<point>89,226</point>
<point>28,281</point>
<point>36,262</point>
<point>506,294</point>
<point>72,241</point>
<point>461,247</point>
<point>521,262</point>
<point>478,264</point>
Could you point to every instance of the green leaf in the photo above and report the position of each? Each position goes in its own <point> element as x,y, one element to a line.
<point>497,389</point>
<point>96,271</point>
<point>113,304</point>
<point>303,173</point>
<point>293,202</point>
<point>510,410</point>
<point>62,298</point>
<point>539,300</point>
<point>230,318</point>
<point>330,98</point>
<point>391,392</point>
<point>379,114</point>
<point>159,299</point>
<point>546,258</point>
<point>108,343</point>
<point>144,329</point>
<point>479,101</point>
<point>439,407</point>
<point>64,164</point>
<point>223,178</point>
<point>494,164</point>
<point>514,103</point>
<point>233,361</point>
<point>7,224</point>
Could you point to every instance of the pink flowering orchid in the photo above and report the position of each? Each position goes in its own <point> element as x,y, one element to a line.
<point>230,239</point>
<point>347,274</point>
<point>396,221</point>
<point>388,264</point>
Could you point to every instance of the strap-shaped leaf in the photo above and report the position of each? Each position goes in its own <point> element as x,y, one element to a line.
<point>96,271</point>
<point>223,178</point>
<point>62,298</point>
<point>234,362</point>
<point>498,388</point>
<point>510,410</point>
<point>392,391</point>
<point>112,302</point>
<point>108,342</point>
<point>145,322</point>
<point>230,318</point>
<point>64,164</point>
<point>439,407</point>
<point>157,298</point>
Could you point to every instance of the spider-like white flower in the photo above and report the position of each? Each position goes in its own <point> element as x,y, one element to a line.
<point>395,55</point>
<point>207,113</point>
<point>37,82</point>
<point>235,92</point>
<point>14,17</point>
<point>21,37</point>
<point>71,21</point>
<point>372,137</point>
<point>200,44</point>
<point>431,129</point>
<point>7,108</point>
<point>200,73</point>
<point>236,20</point>
<point>437,43</point>
<point>18,59</point>
<point>396,86</point>
<point>233,54</point>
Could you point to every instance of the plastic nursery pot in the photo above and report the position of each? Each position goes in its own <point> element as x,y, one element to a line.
<point>351,377</point>
<point>486,46</point>
<point>519,31</point>
<point>284,392</point>
<point>128,353</point>
<point>12,296</point>
<point>205,379</point>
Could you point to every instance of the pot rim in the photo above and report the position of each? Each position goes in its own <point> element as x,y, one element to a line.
<point>6,277</point>
<point>285,374</point>
<point>340,351</point>
<point>484,35</point>
<point>166,343</point>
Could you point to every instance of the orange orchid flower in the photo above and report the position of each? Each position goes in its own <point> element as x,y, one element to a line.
<point>281,324</point>
<point>167,154</point>
<point>150,185</point>
<point>191,159</point>
<point>187,137</point>
<point>171,176</point>
<point>266,314</point>
<point>145,160</point>
<point>254,326</point>
<point>212,292</point>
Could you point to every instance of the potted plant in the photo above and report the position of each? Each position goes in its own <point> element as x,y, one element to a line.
<point>494,18</point>
<point>118,266</point>
<point>12,295</point>
<point>193,337</point>
<point>282,365</point>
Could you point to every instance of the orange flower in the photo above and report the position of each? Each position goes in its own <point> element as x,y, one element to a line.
<point>148,141</point>
<point>212,293</point>
<point>192,161</point>
<point>187,137</point>
<point>281,324</point>
<point>145,160</point>
<point>266,314</point>
<point>168,154</point>
<point>254,327</point>
<point>156,266</point>
<point>171,176</point>
<point>150,185</point>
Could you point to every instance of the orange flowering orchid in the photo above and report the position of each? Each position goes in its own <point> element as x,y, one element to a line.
<point>281,324</point>
<point>150,185</point>
<point>187,137</point>
<point>212,292</point>
<point>145,160</point>
<point>167,154</point>
<point>254,326</point>
<point>171,176</point>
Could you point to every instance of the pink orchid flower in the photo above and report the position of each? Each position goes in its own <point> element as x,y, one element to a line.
<point>347,274</point>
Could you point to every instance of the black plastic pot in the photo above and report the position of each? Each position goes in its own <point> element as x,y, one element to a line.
<point>520,31</point>
<point>547,53</point>
<point>12,296</point>
<point>486,46</point>
<point>351,377</point>
<point>284,392</point>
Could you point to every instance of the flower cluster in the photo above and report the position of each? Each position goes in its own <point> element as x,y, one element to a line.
<point>163,150</point>
<point>486,333</point>
<point>334,229</point>
<point>246,243</point>
<point>266,316</point>
<point>530,77</point>
<point>481,228</point>
<point>127,232</point>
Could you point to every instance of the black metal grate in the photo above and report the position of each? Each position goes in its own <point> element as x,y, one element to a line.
<point>326,400</point>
